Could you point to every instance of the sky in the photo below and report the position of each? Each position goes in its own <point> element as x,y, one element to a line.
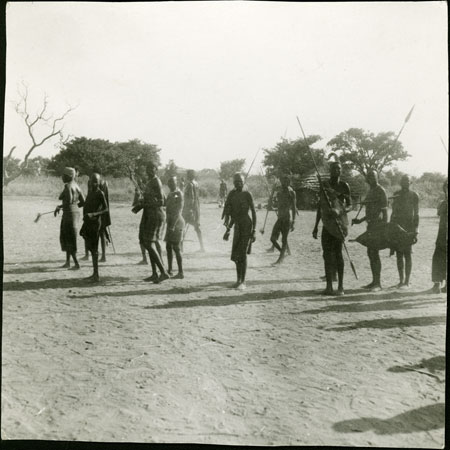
<point>214,81</point>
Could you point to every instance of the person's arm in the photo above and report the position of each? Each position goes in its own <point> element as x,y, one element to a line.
<point>416,214</point>
<point>316,225</point>
<point>81,199</point>
<point>293,208</point>
<point>383,205</point>
<point>102,207</point>
<point>158,199</point>
<point>347,198</point>
<point>253,212</point>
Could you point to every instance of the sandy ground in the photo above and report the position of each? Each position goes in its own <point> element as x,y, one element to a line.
<point>195,361</point>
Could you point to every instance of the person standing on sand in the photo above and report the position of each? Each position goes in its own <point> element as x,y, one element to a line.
<point>152,222</point>
<point>332,238</point>
<point>405,212</point>
<point>376,211</point>
<point>191,209</point>
<point>236,209</point>
<point>72,199</point>
<point>94,212</point>
<point>106,220</point>
<point>439,262</point>
<point>285,202</point>
<point>223,192</point>
<point>175,227</point>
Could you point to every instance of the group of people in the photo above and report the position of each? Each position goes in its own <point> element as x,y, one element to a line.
<point>181,209</point>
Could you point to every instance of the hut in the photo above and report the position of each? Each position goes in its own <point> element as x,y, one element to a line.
<point>308,188</point>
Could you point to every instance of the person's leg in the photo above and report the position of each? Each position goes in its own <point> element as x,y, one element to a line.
<point>67,263</point>
<point>372,254</point>
<point>156,258</point>
<point>339,258</point>
<point>408,266</point>
<point>200,237</point>
<point>179,258</point>
<point>328,263</point>
<point>86,252</point>
<point>144,255</point>
<point>274,236</point>
<point>376,271</point>
<point>238,274</point>
<point>243,264</point>
<point>169,257</point>
<point>284,244</point>
<point>74,257</point>
<point>103,244</point>
<point>401,267</point>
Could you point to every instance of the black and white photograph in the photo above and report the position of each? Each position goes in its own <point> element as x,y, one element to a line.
<point>225,222</point>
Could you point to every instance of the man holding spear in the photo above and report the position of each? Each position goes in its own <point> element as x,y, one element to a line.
<point>332,238</point>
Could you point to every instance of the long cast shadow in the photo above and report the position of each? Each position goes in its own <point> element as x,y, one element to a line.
<point>59,284</point>
<point>232,299</point>
<point>426,418</point>
<point>389,323</point>
<point>357,295</point>
<point>390,305</point>
<point>433,365</point>
<point>155,290</point>
<point>34,269</point>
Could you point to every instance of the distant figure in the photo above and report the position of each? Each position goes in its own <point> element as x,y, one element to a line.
<point>223,192</point>
<point>139,180</point>
<point>152,223</point>
<point>236,209</point>
<point>175,227</point>
<point>285,203</point>
<point>191,209</point>
<point>106,220</point>
<point>376,211</point>
<point>405,212</point>
<point>335,225</point>
<point>72,199</point>
<point>439,263</point>
<point>94,212</point>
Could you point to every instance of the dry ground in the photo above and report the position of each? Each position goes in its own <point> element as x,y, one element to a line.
<point>195,361</point>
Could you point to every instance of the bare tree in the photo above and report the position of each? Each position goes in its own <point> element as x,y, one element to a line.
<point>41,121</point>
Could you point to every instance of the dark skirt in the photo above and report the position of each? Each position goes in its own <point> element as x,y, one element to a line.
<point>439,264</point>
<point>90,231</point>
<point>241,241</point>
<point>175,236</point>
<point>151,226</point>
<point>68,231</point>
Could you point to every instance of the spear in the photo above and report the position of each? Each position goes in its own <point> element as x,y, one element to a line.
<point>443,144</point>
<point>38,217</point>
<point>328,200</point>
<point>395,141</point>
<point>251,165</point>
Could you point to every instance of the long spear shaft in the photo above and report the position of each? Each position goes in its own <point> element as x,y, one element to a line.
<point>251,165</point>
<point>328,200</point>
<point>443,144</point>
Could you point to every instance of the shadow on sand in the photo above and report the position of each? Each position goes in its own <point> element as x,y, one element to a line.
<point>421,321</point>
<point>33,269</point>
<point>390,305</point>
<point>60,284</point>
<point>156,289</point>
<point>427,367</point>
<point>426,418</point>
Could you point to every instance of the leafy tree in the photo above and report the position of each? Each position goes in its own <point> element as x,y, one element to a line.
<point>229,168</point>
<point>171,170</point>
<point>115,160</point>
<point>365,151</point>
<point>293,157</point>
